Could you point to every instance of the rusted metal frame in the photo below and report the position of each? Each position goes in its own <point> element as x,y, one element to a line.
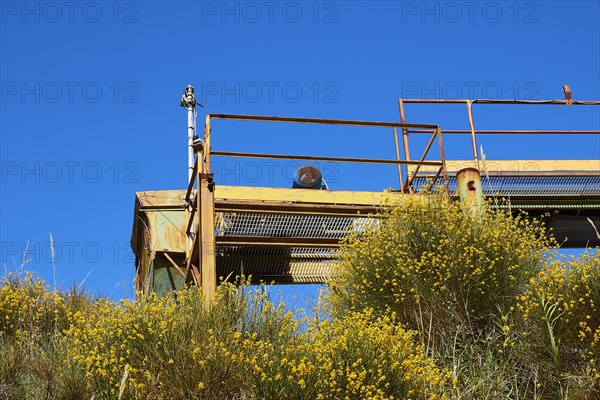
<point>322,158</point>
<point>472,128</point>
<point>421,162</point>
<point>192,274</point>
<point>309,209</point>
<point>533,174</point>
<point>222,204</point>
<point>191,217</point>
<point>191,206</point>
<point>206,153</point>
<point>160,207</point>
<point>515,131</point>
<point>190,188</point>
<point>404,134</point>
<point>206,231</point>
<point>443,159</point>
<point>400,179</point>
<point>174,264</point>
<point>276,241</point>
<point>278,257</point>
<point>435,178</point>
<point>379,124</point>
<point>290,280</point>
<point>193,265</point>
<point>294,212</point>
<point>492,101</point>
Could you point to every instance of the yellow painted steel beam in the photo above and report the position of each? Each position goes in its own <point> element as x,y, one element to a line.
<point>521,166</point>
<point>270,195</point>
<point>163,199</point>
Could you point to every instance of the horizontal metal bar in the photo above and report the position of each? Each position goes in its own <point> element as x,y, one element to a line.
<point>160,208</point>
<point>517,132</point>
<point>294,208</point>
<point>294,212</point>
<point>296,258</point>
<point>533,174</point>
<point>525,174</point>
<point>276,241</point>
<point>346,122</point>
<point>321,158</point>
<point>492,101</point>
<point>288,279</point>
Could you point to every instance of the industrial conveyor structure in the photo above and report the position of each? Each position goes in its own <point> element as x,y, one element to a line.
<point>211,232</point>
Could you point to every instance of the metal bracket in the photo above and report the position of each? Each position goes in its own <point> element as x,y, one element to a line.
<point>567,91</point>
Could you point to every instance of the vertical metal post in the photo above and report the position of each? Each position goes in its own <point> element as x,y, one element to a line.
<point>206,166</point>
<point>443,159</point>
<point>472,126</point>
<point>404,130</point>
<point>398,157</point>
<point>404,134</point>
<point>207,262</point>
<point>469,187</point>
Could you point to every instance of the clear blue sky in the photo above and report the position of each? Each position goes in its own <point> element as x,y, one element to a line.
<point>90,101</point>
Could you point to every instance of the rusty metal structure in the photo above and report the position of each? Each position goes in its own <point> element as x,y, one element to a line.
<point>210,232</point>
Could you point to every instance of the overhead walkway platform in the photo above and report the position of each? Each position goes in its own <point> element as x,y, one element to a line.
<point>211,232</point>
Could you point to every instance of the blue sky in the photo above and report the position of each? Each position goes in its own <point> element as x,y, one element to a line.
<point>90,101</point>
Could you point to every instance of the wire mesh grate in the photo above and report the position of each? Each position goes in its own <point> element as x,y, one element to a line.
<point>529,186</point>
<point>289,225</point>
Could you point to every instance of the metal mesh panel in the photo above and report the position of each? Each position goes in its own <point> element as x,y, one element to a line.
<point>530,186</point>
<point>281,263</point>
<point>286,225</point>
<point>297,264</point>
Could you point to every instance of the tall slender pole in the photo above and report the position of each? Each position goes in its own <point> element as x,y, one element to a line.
<point>191,132</point>
<point>188,100</point>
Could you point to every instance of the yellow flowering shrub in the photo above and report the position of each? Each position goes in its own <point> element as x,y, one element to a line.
<point>360,357</point>
<point>354,357</point>
<point>573,287</point>
<point>28,307</point>
<point>432,258</point>
<point>160,348</point>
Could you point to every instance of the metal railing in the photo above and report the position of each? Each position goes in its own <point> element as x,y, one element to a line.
<point>473,132</point>
<point>199,197</point>
<point>200,210</point>
<point>435,131</point>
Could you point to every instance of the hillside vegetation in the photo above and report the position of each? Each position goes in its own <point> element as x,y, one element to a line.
<point>436,302</point>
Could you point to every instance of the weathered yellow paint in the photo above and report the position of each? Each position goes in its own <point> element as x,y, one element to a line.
<point>208,263</point>
<point>517,166</point>
<point>340,197</point>
<point>161,199</point>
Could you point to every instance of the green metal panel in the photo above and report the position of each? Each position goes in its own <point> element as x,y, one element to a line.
<point>165,277</point>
